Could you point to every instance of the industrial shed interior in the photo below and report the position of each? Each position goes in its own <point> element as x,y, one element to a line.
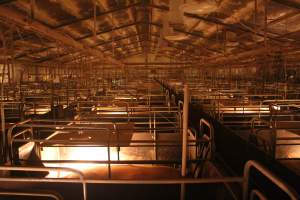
<point>150,99</point>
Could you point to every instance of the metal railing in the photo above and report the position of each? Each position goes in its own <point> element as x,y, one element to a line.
<point>270,176</point>
<point>30,194</point>
<point>46,180</point>
<point>271,140</point>
<point>257,194</point>
<point>210,137</point>
<point>28,126</point>
<point>225,180</point>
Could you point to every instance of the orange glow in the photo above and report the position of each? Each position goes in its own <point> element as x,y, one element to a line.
<point>75,153</point>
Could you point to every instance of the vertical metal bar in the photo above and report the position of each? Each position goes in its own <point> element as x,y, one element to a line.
<point>182,191</point>
<point>265,43</point>
<point>180,115</point>
<point>285,79</point>
<point>8,73</point>
<point>211,136</point>
<point>274,140</point>
<point>255,19</point>
<point>185,129</point>
<point>265,22</point>
<point>118,138</point>
<point>3,118</point>
<point>219,114</point>
<point>155,136</point>
<point>95,20</point>
<point>32,11</point>
<point>150,121</point>
<point>13,71</point>
<point>68,90</point>
<point>34,108</point>
<point>108,159</point>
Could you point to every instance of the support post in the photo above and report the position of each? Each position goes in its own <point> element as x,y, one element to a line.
<point>184,138</point>
<point>185,129</point>
<point>3,143</point>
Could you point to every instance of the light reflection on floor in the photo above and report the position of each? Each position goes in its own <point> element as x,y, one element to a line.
<point>75,153</point>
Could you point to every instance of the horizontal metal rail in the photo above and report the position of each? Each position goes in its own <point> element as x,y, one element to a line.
<point>129,162</point>
<point>114,142</point>
<point>30,194</point>
<point>46,169</point>
<point>170,181</point>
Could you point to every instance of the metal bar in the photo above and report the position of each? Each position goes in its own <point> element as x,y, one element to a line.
<point>185,129</point>
<point>288,3</point>
<point>6,2</point>
<point>170,181</point>
<point>258,194</point>
<point>268,174</point>
<point>150,162</point>
<point>98,15</point>
<point>128,182</point>
<point>211,136</point>
<point>21,19</point>
<point>108,31</point>
<point>31,194</point>
<point>45,169</point>
<point>155,136</point>
<point>117,39</point>
<point>182,191</point>
<point>158,63</point>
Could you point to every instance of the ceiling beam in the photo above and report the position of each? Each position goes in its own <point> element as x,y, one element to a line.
<point>232,58</point>
<point>3,2</point>
<point>121,46</point>
<point>32,52</point>
<point>141,22</point>
<point>55,56</point>
<point>89,17</point>
<point>192,45</point>
<point>231,27</point>
<point>159,7</point>
<point>131,54</point>
<point>179,30</point>
<point>22,20</point>
<point>284,17</point>
<point>157,63</point>
<point>289,3</point>
<point>132,43</point>
<point>116,40</point>
<point>107,31</point>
